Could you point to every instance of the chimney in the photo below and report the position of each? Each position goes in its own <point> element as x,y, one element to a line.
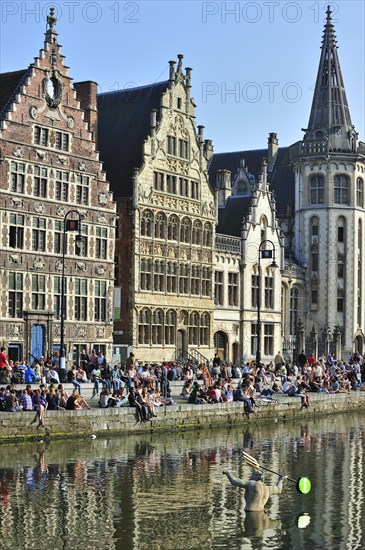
<point>272,148</point>
<point>86,94</point>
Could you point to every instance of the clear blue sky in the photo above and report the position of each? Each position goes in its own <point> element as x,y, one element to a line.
<point>267,52</point>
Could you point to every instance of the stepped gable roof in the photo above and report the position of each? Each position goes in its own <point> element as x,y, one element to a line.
<point>9,85</point>
<point>230,216</point>
<point>123,125</point>
<point>281,179</point>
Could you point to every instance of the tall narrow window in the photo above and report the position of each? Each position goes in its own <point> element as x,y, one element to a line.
<point>171,278</point>
<point>82,189</point>
<point>57,236</point>
<point>204,329</point>
<point>268,339</point>
<point>233,289</point>
<point>197,233</point>
<point>219,294</point>
<point>173,228</point>
<point>171,184</point>
<point>81,299</point>
<point>101,242</point>
<point>157,327</point>
<point>195,280</point>
<point>206,281</point>
<point>160,226</point>
<point>100,296</point>
<point>294,310</point>
<point>41,136</point>
<point>62,181</point>
<point>38,292</point>
<point>170,327</point>
<point>317,189</point>
<point>146,224</point>
<point>185,231</point>
<point>184,279</point>
<point>207,235</point>
<point>171,145</point>
<point>159,181</point>
<point>194,329</point>
<point>146,274</point>
<point>17,177</point>
<point>16,231</point>
<point>360,192</point>
<point>183,148</point>
<point>341,190</point>
<point>194,190</point>
<point>359,272</point>
<point>340,300</point>
<point>15,295</point>
<point>57,297</point>
<point>269,289</point>
<point>144,326</point>
<point>254,289</point>
<point>39,235</point>
<point>159,276</point>
<point>62,141</point>
<point>40,181</point>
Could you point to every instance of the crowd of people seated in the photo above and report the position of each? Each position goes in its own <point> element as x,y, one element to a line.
<point>146,387</point>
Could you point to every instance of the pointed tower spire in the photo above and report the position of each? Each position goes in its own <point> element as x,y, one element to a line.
<point>330,115</point>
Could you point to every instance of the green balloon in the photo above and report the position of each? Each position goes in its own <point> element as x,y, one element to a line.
<point>304,485</point>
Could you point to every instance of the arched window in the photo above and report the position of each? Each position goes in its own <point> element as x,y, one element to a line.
<point>170,327</point>
<point>204,329</point>
<point>317,189</point>
<point>173,228</point>
<point>341,190</point>
<point>157,326</point>
<point>263,228</point>
<point>146,223</point>
<point>197,233</point>
<point>294,310</point>
<point>194,329</point>
<point>144,326</point>
<point>360,192</point>
<point>160,226</point>
<point>185,231</point>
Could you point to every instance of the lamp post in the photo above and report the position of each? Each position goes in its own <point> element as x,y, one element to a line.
<point>264,254</point>
<point>68,225</point>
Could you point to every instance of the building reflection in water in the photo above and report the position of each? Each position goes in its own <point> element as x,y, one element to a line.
<point>154,492</point>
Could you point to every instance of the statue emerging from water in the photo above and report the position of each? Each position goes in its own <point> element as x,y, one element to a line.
<point>257,493</point>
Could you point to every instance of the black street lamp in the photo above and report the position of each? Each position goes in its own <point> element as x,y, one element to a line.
<point>68,225</point>
<point>264,254</point>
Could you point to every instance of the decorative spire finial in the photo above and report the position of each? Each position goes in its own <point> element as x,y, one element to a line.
<point>179,65</point>
<point>51,19</point>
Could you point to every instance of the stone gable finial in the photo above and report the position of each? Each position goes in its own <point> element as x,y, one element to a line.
<point>51,19</point>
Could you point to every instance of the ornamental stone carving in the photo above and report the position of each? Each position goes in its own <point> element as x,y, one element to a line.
<point>102,217</point>
<point>15,258</point>
<point>70,122</point>
<point>18,151</point>
<point>81,266</point>
<point>61,211</point>
<point>82,166</point>
<point>80,331</point>
<point>103,199</point>
<point>33,111</point>
<point>100,270</point>
<point>100,332</point>
<point>16,203</point>
<point>57,331</point>
<point>58,265</point>
<point>14,330</point>
<point>39,207</point>
<point>62,160</point>
<point>41,155</point>
<point>39,264</point>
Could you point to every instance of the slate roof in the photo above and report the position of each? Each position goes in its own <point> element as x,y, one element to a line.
<point>281,179</point>
<point>230,217</point>
<point>123,125</point>
<point>9,85</point>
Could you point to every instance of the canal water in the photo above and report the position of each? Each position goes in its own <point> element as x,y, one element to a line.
<point>167,492</point>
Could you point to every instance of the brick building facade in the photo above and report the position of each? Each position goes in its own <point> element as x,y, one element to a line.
<point>49,173</point>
